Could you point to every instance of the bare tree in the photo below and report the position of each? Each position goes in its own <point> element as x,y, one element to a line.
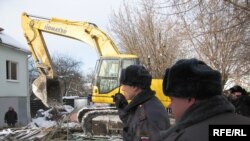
<point>142,31</point>
<point>89,77</point>
<point>219,33</point>
<point>243,5</point>
<point>68,69</point>
<point>242,10</point>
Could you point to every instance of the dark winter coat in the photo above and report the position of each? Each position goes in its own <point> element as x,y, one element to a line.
<point>10,117</point>
<point>194,124</point>
<point>143,117</point>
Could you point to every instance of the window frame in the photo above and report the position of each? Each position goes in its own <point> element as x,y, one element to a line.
<point>9,69</point>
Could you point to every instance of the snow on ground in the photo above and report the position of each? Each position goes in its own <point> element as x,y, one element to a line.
<point>42,122</point>
<point>43,118</point>
<point>68,108</point>
<point>114,118</point>
<point>70,97</point>
<point>5,131</point>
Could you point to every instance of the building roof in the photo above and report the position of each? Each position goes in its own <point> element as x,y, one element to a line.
<point>11,42</point>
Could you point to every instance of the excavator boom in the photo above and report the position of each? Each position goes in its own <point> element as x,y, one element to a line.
<point>82,31</point>
<point>47,85</point>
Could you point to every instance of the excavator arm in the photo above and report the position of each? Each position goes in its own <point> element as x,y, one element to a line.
<point>47,86</point>
<point>83,31</point>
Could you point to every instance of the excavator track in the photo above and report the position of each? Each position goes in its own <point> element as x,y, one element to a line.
<point>100,121</point>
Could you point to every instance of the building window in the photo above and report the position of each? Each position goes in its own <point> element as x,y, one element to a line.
<point>11,70</point>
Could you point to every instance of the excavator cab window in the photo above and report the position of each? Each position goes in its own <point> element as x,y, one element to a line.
<point>128,62</point>
<point>108,75</point>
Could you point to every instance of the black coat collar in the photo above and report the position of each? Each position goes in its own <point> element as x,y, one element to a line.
<point>142,97</point>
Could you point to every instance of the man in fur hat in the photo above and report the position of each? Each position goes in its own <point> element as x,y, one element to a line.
<point>240,99</point>
<point>145,115</point>
<point>196,96</point>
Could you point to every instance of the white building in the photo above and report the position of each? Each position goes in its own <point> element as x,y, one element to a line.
<point>14,79</point>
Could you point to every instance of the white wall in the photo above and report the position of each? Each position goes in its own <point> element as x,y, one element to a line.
<point>13,88</point>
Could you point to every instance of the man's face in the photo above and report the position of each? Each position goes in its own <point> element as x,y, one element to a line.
<point>235,95</point>
<point>129,91</point>
<point>180,105</point>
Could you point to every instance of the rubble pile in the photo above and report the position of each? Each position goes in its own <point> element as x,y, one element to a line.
<point>54,124</point>
<point>44,126</point>
<point>24,133</point>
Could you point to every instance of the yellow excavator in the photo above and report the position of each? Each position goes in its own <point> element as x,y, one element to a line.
<point>47,86</point>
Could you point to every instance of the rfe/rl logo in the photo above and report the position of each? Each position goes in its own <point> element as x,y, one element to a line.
<point>234,132</point>
<point>229,132</point>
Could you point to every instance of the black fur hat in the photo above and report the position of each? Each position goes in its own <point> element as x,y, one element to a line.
<point>136,75</point>
<point>238,88</point>
<point>192,78</point>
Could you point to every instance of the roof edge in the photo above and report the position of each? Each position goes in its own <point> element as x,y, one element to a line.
<point>16,48</point>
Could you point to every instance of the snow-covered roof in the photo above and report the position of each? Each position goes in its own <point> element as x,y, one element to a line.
<point>11,42</point>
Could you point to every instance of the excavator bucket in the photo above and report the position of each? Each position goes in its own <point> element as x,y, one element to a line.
<point>48,91</point>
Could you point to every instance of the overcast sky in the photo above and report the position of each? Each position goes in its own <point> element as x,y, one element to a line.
<point>95,11</point>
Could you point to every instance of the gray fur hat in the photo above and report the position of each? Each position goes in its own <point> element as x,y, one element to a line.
<point>192,78</point>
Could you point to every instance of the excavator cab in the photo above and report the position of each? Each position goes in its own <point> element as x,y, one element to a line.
<point>106,81</point>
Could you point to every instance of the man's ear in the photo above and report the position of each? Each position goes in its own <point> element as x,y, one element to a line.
<point>135,89</point>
